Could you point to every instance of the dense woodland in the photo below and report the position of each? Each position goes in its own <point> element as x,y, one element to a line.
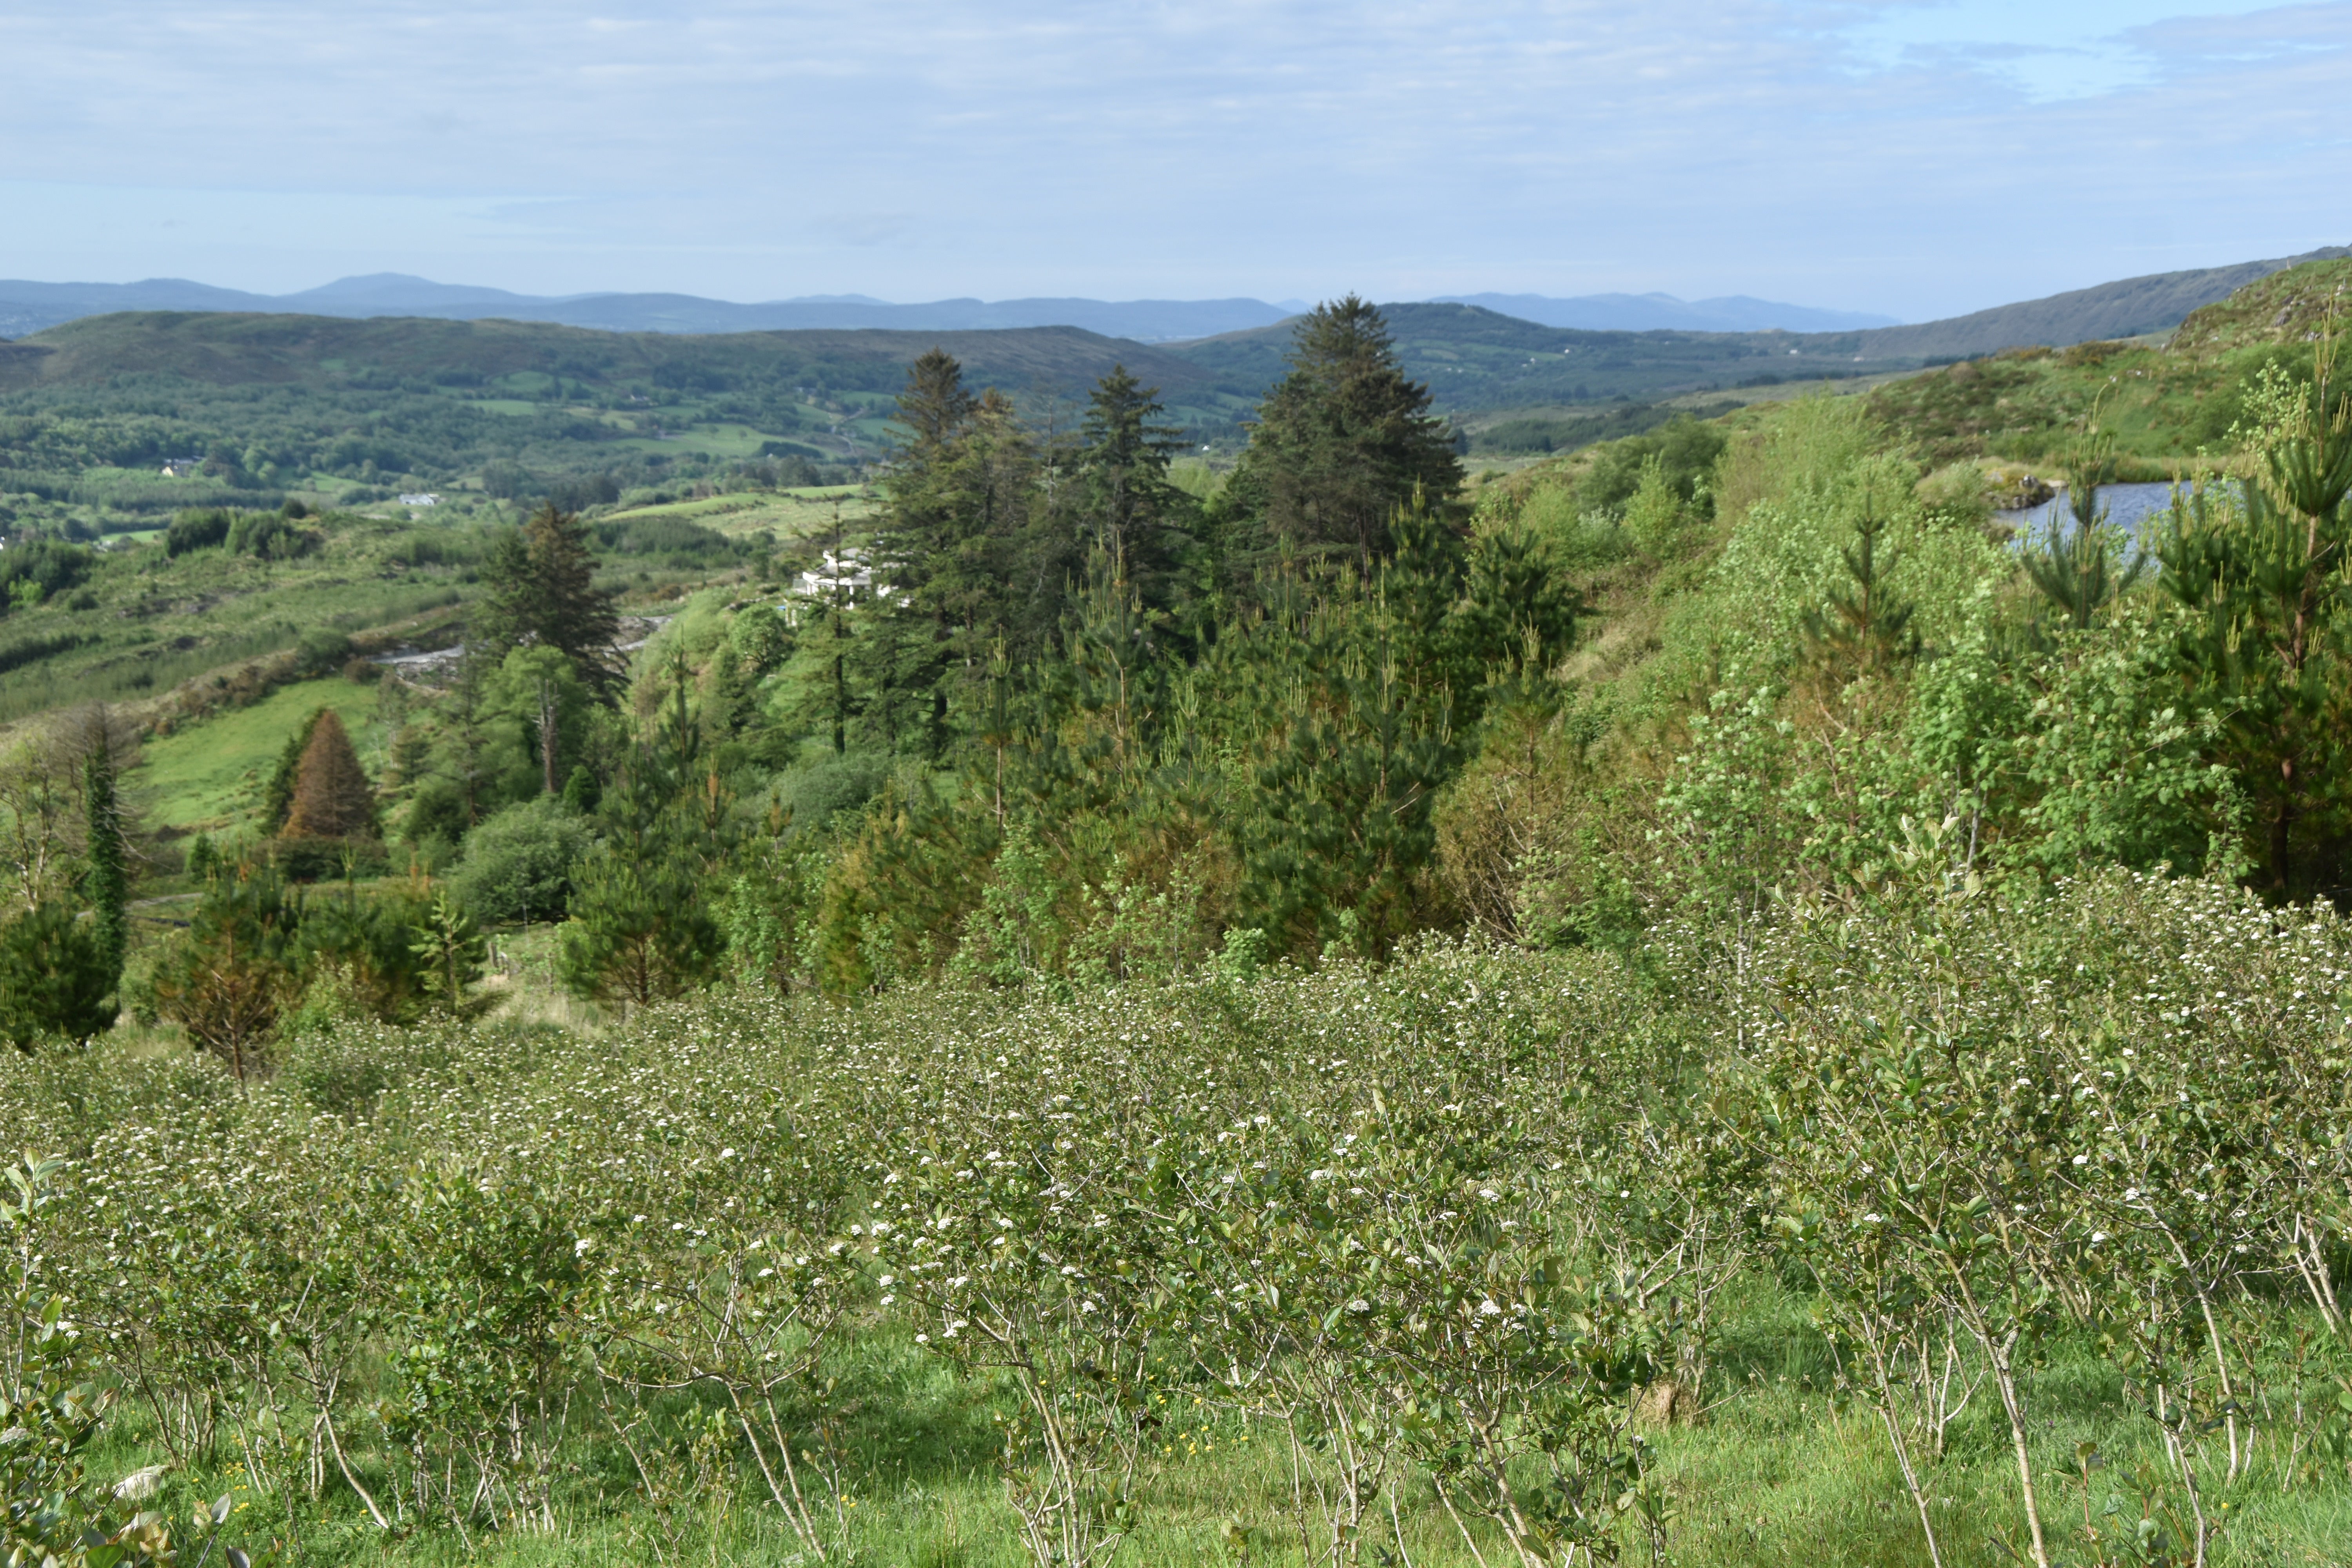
<point>1318,1012</point>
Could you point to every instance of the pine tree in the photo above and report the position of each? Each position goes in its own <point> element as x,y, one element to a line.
<point>1867,628</point>
<point>1340,832</point>
<point>332,798</point>
<point>1342,440</point>
<point>55,977</point>
<point>228,977</point>
<point>2267,650</point>
<point>538,588</point>
<point>2070,566</point>
<point>450,952</point>
<point>641,930</point>
<point>108,882</point>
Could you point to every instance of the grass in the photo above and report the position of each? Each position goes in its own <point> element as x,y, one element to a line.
<point>209,777</point>
<point>143,622</point>
<point>170,638</point>
<point>788,513</point>
<point>1784,1472</point>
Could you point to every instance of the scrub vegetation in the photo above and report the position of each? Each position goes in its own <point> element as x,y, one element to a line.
<point>1698,1003</point>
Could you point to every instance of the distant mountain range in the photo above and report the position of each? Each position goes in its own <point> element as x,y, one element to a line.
<point>2124,309</point>
<point>1664,312</point>
<point>1475,358</point>
<point>30,307</point>
<point>26,308</point>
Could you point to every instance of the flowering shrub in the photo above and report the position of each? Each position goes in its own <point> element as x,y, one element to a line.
<point>1452,1237</point>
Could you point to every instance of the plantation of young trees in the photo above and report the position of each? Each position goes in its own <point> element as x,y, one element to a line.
<point>1707,1008</point>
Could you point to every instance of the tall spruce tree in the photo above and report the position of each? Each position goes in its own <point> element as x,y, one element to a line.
<point>538,588</point>
<point>109,879</point>
<point>935,405</point>
<point>1341,441</point>
<point>1131,509</point>
<point>966,556</point>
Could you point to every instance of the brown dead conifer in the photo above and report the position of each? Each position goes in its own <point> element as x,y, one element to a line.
<point>332,798</point>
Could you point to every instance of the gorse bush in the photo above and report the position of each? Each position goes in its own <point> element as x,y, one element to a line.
<point>1455,1240</point>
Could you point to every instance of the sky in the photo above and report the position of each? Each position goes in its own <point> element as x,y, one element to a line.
<point>1917,158</point>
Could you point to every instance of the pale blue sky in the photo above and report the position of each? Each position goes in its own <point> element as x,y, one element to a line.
<point>1913,158</point>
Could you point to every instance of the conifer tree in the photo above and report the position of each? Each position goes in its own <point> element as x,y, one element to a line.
<point>538,588</point>
<point>226,978</point>
<point>1343,439</point>
<point>641,929</point>
<point>109,881</point>
<point>1867,627</point>
<point>1131,507</point>
<point>959,522</point>
<point>935,405</point>
<point>2070,567</point>
<point>55,977</point>
<point>2267,648</point>
<point>332,798</point>
<point>277,797</point>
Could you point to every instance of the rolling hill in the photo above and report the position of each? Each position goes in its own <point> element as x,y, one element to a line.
<point>333,405</point>
<point>2130,308</point>
<point>1477,360</point>
<point>228,349</point>
<point>1647,312</point>
<point>2163,404</point>
<point>90,411</point>
<point>28,306</point>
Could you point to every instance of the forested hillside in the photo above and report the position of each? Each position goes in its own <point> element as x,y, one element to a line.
<point>252,409</point>
<point>1708,1001</point>
<point>323,407</point>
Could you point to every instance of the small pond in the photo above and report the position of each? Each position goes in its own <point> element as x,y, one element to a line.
<point>2130,507</point>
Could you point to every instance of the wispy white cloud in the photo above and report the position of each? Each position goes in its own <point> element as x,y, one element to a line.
<point>1906,156</point>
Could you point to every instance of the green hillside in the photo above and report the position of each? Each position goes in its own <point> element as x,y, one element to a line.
<point>176,638</point>
<point>1476,360</point>
<point>355,412</point>
<point>2163,400</point>
<point>2131,307</point>
<point>358,412</point>
<point>229,349</point>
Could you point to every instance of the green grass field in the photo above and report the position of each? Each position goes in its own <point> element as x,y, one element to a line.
<point>209,777</point>
<point>788,513</point>
<point>1787,1474</point>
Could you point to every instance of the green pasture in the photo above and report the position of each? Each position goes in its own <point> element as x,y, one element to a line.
<point>788,513</point>
<point>209,777</point>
